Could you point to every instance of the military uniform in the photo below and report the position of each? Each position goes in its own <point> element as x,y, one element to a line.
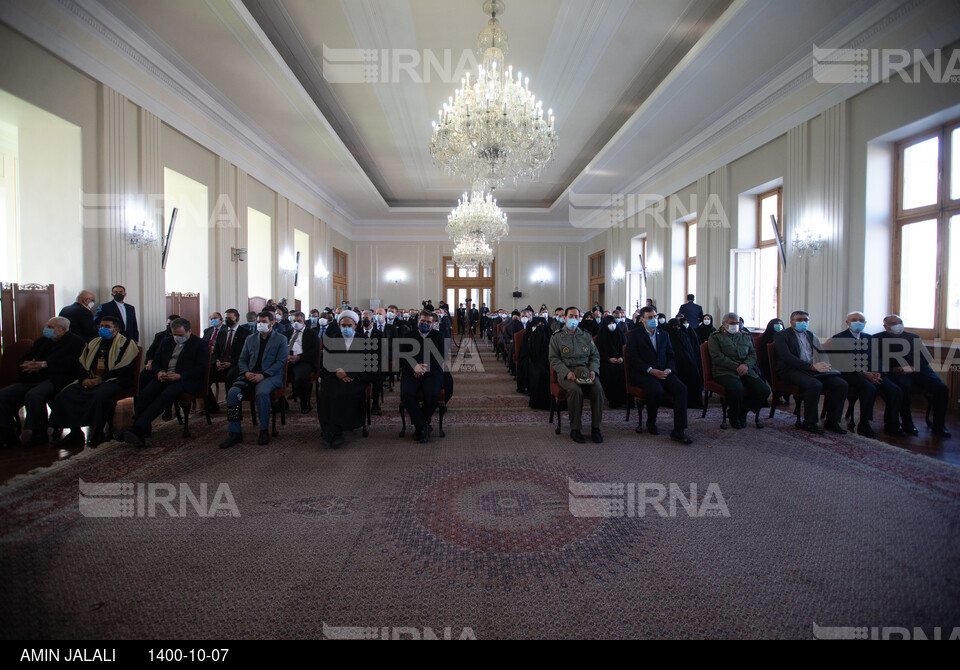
<point>569,350</point>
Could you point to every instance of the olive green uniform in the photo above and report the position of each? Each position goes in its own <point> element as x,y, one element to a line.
<point>569,350</point>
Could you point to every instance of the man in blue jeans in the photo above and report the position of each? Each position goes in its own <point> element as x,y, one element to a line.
<point>261,371</point>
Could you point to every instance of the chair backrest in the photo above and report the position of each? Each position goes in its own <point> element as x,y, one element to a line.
<point>256,304</point>
<point>555,388</point>
<point>12,353</point>
<point>517,340</point>
<point>772,357</point>
<point>134,388</point>
<point>626,372</point>
<point>707,362</point>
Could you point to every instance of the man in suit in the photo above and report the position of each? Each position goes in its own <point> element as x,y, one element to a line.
<point>48,366</point>
<point>119,309</point>
<point>148,373</point>
<point>461,319</point>
<point>210,333</point>
<point>852,351</point>
<point>80,315</point>
<point>181,365</point>
<point>262,363</point>
<point>421,355</point>
<point>801,361</point>
<point>250,325</point>
<point>473,316</point>
<point>225,357</point>
<point>302,357</point>
<point>572,348</point>
<point>906,360</point>
<point>691,310</point>
<point>368,330</point>
<point>652,364</point>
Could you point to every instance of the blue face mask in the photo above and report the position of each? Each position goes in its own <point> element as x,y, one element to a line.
<point>214,322</point>
<point>48,333</point>
<point>652,323</point>
<point>425,328</point>
<point>857,326</point>
<point>802,326</point>
<point>180,339</point>
<point>778,327</point>
<point>347,331</point>
<point>105,333</point>
<point>252,324</point>
<point>314,320</point>
<point>573,323</point>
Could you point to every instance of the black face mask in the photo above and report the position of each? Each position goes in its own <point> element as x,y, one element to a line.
<point>365,323</point>
<point>229,323</point>
<point>118,297</point>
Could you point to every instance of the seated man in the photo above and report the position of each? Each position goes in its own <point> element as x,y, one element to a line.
<point>261,368</point>
<point>651,360</point>
<point>906,360</point>
<point>573,348</point>
<point>852,350</point>
<point>180,366</point>
<point>734,367</point>
<point>225,356</point>
<point>148,374</point>
<point>49,365</point>
<point>368,330</point>
<point>302,358</point>
<point>421,371</point>
<point>106,368</point>
<point>801,361</point>
<point>343,381</point>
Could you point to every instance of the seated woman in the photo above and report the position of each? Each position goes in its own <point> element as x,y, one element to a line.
<point>774,326</point>
<point>686,349</point>
<point>610,343</point>
<point>538,363</point>
<point>706,328</point>
<point>343,380</point>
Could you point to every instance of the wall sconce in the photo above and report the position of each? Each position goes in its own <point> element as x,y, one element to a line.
<point>141,235</point>
<point>619,273</point>
<point>807,244</point>
<point>396,276</point>
<point>238,255</point>
<point>288,264</point>
<point>541,276</point>
<point>321,271</point>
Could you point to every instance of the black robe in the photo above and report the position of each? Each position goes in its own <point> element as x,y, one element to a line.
<point>612,378</point>
<point>340,406</point>
<point>538,366</point>
<point>590,326</point>
<point>686,349</point>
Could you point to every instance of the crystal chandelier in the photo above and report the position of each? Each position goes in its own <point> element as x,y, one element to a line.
<point>471,252</point>
<point>477,215</point>
<point>493,128</point>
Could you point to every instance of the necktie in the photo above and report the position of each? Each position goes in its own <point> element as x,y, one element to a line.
<point>227,350</point>
<point>293,340</point>
<point>213,337</point>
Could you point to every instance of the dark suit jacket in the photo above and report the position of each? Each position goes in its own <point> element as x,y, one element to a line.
<point>413,351</point>
<point>843,352</point>
<point>110,309</point>
<point>311,346</point>
<point>191,364</point>
<point>474,316</point>
<point>693,312</point>
<point>788,352</point>
<point>641,355</point>
<point>219,349</point>
<point>81,321</point>
<point>208,333</point>
<point>898,350</point>
<point>62,360</point>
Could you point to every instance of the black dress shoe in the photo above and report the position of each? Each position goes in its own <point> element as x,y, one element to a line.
<point>736,424</point>
<point>577,437</point>
<point>813,428</point>
<point>327,440</point>
<point>376,411</point>
<point>305,408</point>
<point>758,423</point>
<point>940,432</point>
<point>866,430</point>
<point>417,434</point>
<point>681,437</point>
<point>337,441</point>
<point>167,415</point>
<point>426,434</point>
<point>894,431</point>
<point>911,430</point>
<point>96,439</point>
<point>36,440</point>
<point>74,437</point>
<point>596,436</point>
<point>263,438</point>
<point>232,439</point>
<point>834,427</point>
<point>132,438</point>
<point>652,429</point>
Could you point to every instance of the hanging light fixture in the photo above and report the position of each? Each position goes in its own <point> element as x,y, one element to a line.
<point>477,214</point>
<point>471,252</point>
<point>493,128</point>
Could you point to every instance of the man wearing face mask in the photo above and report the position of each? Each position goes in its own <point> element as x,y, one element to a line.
<point>368,331</point>
<point>302,359</point>
<point>80,315</point>
<point>180,364</point>
<point>119,309</point>
<point>148,374</point>
<point>106,368</point>
<point>802,361</point>
<point>210,334</point>
<point>250,325</point>
<point>734,367</point>
<point>852,351</point>
<point>262,361</point>
<point>570,349</point>
<point>652,362</point>
<point>48,366</point>
<point>905,358</point>
<point>225,357</point>
<point>421,356</point>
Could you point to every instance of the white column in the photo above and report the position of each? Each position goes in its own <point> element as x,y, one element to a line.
<point>224,237</point>
<point>794,294</point>
<point>152,305</point>
<point>833,279</point>
<point>112,197</point>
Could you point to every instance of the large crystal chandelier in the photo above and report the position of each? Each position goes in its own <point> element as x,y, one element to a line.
<point>477,215</point>
<point>471,252</point>
<point>493,128</point>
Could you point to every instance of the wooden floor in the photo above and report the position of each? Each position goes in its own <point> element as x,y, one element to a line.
<point>15,461</point>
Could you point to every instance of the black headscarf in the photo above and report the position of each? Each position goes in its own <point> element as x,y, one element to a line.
<point>610,344</point>
<point>704,331</point>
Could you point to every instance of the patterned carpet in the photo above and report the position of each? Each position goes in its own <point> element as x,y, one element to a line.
<point>473,534</point>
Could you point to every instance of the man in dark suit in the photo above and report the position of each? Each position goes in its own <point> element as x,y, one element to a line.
<point>210,333</point>
<point>852,351</point>
<point>368,330</point>
<point>119,309</point>
<point>181,365</point>
<point>225,357</point>
<point>474,317</point>
<point>250,324</point>
<point>692,311</point>
<point>802,361</point>
<point>304,351</point>
<point>421,368</point>
<point>652,364</point>
<point>906,360</point>
<point>461,319</point>
<point>148,374</point>
<point>80,315</point>
<point>48,366</point>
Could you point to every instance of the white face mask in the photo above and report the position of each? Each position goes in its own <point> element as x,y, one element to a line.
<point>297,325</point>
<point>91,304</point>
<point>734,329</point>
<point>323,322</point>
<point>263,327</point>
<point>707,322</point>
<point>897,329</point>
<point>611,327</point>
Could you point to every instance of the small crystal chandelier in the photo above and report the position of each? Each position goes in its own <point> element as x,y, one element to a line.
<point>141,235</point>
<point>471,252</point>
<point>493,128</point>
<point>477,215</point>
<point>806,243</point>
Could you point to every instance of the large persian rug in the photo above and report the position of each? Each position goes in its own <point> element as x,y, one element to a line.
<point>502,529</point>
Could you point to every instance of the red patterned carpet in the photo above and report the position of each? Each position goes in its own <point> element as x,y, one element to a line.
<point>474,533</point>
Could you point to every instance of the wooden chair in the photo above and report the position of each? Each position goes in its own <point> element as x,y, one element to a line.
<point>517,341</point>
<point>441,411</point>
<point>778,386</point>
<point>711,386</point>
<point>278,404</point>
<point>10,361</point>
<point>637,393</point>
<point>185,402</point>
<point>558,398</point>
<point>129,392</point>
